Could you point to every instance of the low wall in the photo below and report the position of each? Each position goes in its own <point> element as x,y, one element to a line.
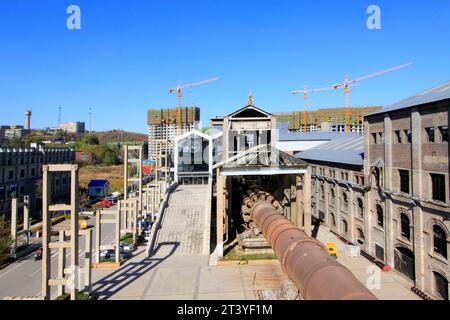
<point>157,224</point>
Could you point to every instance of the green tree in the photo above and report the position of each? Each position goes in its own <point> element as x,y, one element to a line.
<point>5,240</point>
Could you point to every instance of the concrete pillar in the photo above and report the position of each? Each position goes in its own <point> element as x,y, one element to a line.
<point>14,213</point>
<point>45,290</point>
<point>88,261</point>
<point>298,201</point>
<point>418,193</point>
<point>26,217</point>
<point>74,226</point>
<point>307,202</point>
<point>61,262</point>
<point>98,233</point>
<point>220,213</point>
<point>117,237</point>
<point>125,172</point>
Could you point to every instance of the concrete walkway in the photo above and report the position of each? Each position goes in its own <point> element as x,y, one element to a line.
<point>393,286</point>
<point>179,268</point>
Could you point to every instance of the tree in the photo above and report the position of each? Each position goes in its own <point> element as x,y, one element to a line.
<point>5,240</point>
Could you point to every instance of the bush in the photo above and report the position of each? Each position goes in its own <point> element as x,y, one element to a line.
<point>80,296</point>
<point>5,240</point>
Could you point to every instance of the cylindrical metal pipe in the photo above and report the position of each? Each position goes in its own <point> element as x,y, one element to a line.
<point>306,261</point>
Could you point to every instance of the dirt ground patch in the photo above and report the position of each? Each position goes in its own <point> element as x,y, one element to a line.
<point>114,174</point>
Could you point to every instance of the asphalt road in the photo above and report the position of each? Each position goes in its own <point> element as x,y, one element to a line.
<point>23,277</point>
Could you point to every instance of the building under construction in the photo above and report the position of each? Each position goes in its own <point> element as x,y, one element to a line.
<point>162,126</point>
<point>326,119</point>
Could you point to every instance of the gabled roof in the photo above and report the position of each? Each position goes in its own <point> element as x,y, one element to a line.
<point>192,132</point>
<point>250,111</point>
<point>261,160</point>
<point>97,183</point>
<point>347,150</point>
<point>438,93</point>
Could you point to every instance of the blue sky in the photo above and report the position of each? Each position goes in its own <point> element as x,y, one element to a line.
<point>128,53</point>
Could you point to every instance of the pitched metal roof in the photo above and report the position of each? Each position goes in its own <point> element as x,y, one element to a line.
<point>261,160</point>
<point>438,93</point>
<point>345,150</point>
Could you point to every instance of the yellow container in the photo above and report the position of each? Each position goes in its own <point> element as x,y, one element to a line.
<point>83,224</point>
<point>332,250</point>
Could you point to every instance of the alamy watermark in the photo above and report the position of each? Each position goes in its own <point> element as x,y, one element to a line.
<point>73,21</point>
<point>374,20</point>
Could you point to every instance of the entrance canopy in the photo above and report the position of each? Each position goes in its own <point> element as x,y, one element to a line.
<point>261,160</point>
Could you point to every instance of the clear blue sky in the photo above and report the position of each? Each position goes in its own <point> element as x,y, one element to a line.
<point>128,53</point>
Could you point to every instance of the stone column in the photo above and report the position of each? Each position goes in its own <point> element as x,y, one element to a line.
<point>98,234</point>
<point>125,172</point>
<point>26,217</point>
<point>118,224</point>
<point>61,262</point>
<point>75,228</point>
<point>220,213</point>
<point>14,213</point>
<point>298,201</point>
<point>45,291</point>
<point>88,260</point>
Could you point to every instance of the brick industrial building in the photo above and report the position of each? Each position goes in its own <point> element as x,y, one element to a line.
<point>21,174</point>
<point>388,192</point>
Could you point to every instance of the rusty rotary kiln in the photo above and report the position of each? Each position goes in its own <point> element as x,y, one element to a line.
<point>306,262</point>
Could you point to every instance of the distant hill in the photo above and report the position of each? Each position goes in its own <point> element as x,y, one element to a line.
<point>120,136</point>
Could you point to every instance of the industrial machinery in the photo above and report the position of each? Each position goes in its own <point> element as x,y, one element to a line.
<point>306,261</point>
<point>179,95</point>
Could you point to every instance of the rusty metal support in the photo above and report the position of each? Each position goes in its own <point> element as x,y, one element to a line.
<point>305,260</point>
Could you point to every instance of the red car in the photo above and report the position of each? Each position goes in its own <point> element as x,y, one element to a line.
<point>104,203</point>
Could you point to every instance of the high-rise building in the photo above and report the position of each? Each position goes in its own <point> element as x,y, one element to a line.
<point>162,125</point>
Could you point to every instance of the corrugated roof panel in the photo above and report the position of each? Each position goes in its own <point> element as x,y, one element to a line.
<point>348,150</point>
<point>438,93</point>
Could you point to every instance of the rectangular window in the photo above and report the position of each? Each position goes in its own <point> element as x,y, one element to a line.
<point>398,136</point>
<point>438,187</point>
<point>404,180</point>
<point>408,135</point>
<point>430,134</point>
<point>374,138</point>
<point>379,252</point>
<point>444,133</point>
<point>381,137</point>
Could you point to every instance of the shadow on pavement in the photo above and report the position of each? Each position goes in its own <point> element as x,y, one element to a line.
<point>111,284</point>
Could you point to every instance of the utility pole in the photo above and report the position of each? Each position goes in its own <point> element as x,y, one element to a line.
<point>90,120</point>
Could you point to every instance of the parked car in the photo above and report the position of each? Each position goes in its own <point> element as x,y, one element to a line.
<point>127,247</point>
<point>111,254</point>
<point>104,203</point>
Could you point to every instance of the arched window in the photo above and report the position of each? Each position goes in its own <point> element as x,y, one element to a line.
<point>322,191</point>
<point>333,219</point>
<point>360,236</point>
<point>441,285</point>
<point>333,195</point>
<point>405,226</point>
<point>439,241</point>
<point>380,216</point>
<point>360,207</point>
<point>345,226</point>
